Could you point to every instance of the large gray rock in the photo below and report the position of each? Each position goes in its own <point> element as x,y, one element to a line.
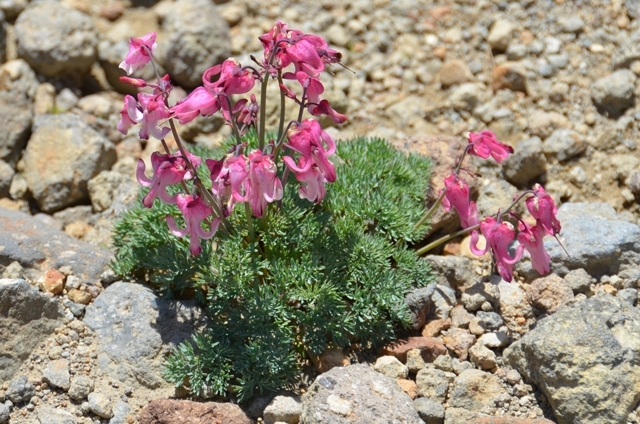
<point>63,154</point>
<point>136,329</point>
<point>198,38</point>
<point>528,162</point>
<point>66,44</point>
<point>18,85</point>
<point>474,389</point>
<point>614,94</point>
<point>356,394</point>
<point>585,359</point>
<point>48,415</point>
<point>27,318</point>
<point>37,246</point>
<point>594,239</point>
<point>20,389</point>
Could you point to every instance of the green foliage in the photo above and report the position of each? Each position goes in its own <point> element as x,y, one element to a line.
<point>333,274</point>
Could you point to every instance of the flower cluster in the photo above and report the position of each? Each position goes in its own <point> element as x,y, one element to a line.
<point>254,177</point>
<point>498,232</point>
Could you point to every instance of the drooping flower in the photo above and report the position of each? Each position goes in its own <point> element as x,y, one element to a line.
<point>214,96</point>
<point>140,50</point>
<point>313,188</point>
<point>264,184</point>
<point>543,208</point>
<point>485,144</point>
<point>499,235</point>
<point>249,112</point>
<point>229,181</point>
<point>167,170</point>
<point>129,115</point>
<point>313,89</point>
<point>532,240</point>
<point>456,195</point>
<point>309,140</point>
<point>194,210</point>
<point>149,111</point>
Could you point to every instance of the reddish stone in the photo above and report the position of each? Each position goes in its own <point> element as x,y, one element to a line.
<point>459,341</point>
<point>508,420</point>
<point>430,348</point>
<point>169,411</point>
<point>433,328</point>
<point>53,281</point>
<point>409,387</point>
<point>329,359</point>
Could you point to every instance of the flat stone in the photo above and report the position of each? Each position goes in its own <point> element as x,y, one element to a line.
<point>434,383</point>
<point>284,409</point>
<point>57,374</point>
<point>474,389</point>
<point>435,327</point>
<point>172,411</point>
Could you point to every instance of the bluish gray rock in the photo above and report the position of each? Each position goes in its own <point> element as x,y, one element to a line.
<point>356,394</point>
<point>135,328</point>
<point>62,155</point>
<point>491,319</point>
<point>37,246</point>
<point>585,358</point>
<point>419,302</point>
<point>198,39</point>
<point>27,318</point>
<point>594,239</point>
<point>614,94</point>
<point>4,413</point>
<point>20,389</point>
<point>65,45</point>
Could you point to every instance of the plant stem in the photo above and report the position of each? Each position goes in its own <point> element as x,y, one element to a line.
<point>247,210</point>
<point>263,107</point>
<point>445,239</point>
<point>282,108</point>
<point>430,211</point>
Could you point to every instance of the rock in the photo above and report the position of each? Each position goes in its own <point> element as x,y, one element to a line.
<point>435,327</point>
<point>27,318</point>
<point>493,196</point>
<point>458,415</point>
<point>480,293</point>
<point>549,293</point>
<point>527,163</point>
<point>38,247</point>
<point>460,317</point>
<point>102,189</point>
<point>514,308</point>
<point>356,394</point>
<point>454,72</point>
<point>633,8</point>
<point>434,383</point>
<point>17,88</point>
<point>79,296</point>
<point>474,390</point>
<point>100,405</point>
<point>500,35</point>
<point>564,144</point>
<point>629,52</point>
<point>57,374</point>
<point>391,367</point>
<point>12,8</point>
<point>65,45</point>
<point>80,387</point>
<point>414,361</point>
<point>171,411</point>
<point>63,154</point>
<point>120,413</point>
<point>134,328</point>
<point>431,411</point>
<point>510,75</point>
<point>571,24</point>
<point>477,327</point>
<point>6,175</point>
<point>453,271</point>
<point>48,415</point>
<point>494,340</point>
<point>53,282</point>
<point>507,420</point>
<point>429,347</point>
<point>614,94</point>
<point>5,410</point>
<point>418,300</point>
<point>443,299</point>
<point>492,320</point>
<point>579,281</point>
<point>283,409</point>
<point>408,386</point>
<point>628,296</point>
<point>483,357</point>
<point>466,96</point>
<point>586,367</point>
<point>459,341</point>
<point>198,38</point>
<point>594,238</point>
<point>330,358</point>
<point>20,389</point>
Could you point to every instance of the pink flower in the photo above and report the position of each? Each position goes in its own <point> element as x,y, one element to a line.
<point>457,195</point>
<point>309,140</point>
<point>233,78</point>
<point>313,89</point>
<point>313,189</point>
<point>264,184</point>
<point>228,181</point>
<point>532,240</point>
<point>199,102</point>
<point>485,144</point>
<point>167,170</point>
<point>140,50</point>
<point>542,207</point>
<point>499,235</point>
<point>249,112</point>
<point>129,115</point>
<point>194,210</point>
<point>148,111</point>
